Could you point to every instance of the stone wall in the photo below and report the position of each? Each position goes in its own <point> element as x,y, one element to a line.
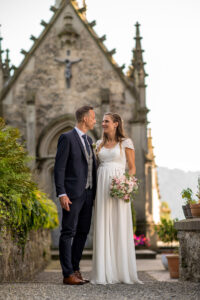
<point>14,266</point>
<point>189,252</point>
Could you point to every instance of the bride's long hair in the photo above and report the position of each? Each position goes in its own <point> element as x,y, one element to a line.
<point>120,133</point>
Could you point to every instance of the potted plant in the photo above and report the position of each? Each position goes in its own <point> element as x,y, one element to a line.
<point>168,234</point>
<point>195,206</point>
<point>187,195</point>
<point>173,263</point>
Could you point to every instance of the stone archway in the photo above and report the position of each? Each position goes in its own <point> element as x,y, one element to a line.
<point>46,151</point>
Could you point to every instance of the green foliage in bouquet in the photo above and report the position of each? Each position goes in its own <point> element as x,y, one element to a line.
<point>166,231</point>
<point>22,206</point>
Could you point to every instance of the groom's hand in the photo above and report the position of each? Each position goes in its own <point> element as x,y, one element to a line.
<point>65,202</point>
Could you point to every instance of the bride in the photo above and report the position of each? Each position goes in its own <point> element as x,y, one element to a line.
<point>113,245</point>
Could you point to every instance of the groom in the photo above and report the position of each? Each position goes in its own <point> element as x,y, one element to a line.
<point>75,180</point>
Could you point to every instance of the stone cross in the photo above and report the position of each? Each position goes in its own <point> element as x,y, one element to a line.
<point>68,63</point>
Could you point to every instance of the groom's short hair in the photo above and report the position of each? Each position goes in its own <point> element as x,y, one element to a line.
<point>82,111</point>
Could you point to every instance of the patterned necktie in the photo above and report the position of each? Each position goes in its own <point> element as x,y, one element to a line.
<point>86,143</point>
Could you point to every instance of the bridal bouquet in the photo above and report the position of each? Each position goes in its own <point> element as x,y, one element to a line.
<point>124,187</point>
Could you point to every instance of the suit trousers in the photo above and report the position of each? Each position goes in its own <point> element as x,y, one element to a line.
<point>75,228</point>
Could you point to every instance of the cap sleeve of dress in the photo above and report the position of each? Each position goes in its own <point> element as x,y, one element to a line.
<point>128,143</point>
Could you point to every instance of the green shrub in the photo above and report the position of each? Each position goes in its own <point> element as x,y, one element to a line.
<point>166,231</point>
<point>22,206</point>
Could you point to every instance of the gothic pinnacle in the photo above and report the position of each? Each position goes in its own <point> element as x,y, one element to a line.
<point>6,67</point>
<point>33,38</point>
<point>93,23</point>
<point>103,38</point>
<point>43,23</point>
<point>1,51</point>
<point>137,25</point>
<point>82,10</point>
<point>7,57</point>
<point>138,38</point>
<point>24,52</point>
<point>136,69</point>
<point>137,52</point>
<point>112,52</point>
<point>53,9</point>
<point>121,68</point>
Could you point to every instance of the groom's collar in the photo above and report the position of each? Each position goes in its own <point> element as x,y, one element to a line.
<point>80,133</point>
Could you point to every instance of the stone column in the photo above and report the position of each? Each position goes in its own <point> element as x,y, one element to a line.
<point>189,251</point>
<point>31,130</point>
<point>140,202</point>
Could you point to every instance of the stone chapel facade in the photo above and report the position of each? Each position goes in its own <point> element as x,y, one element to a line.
<point>69,66</point>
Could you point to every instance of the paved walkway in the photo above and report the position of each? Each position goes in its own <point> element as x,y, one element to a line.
<point>48,286</point>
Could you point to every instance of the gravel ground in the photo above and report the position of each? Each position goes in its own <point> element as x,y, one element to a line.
<point>48,286</point>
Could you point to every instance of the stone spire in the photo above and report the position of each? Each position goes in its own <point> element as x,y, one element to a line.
<point>1,51</point>
<point>6,67</point>
<point>1,62</point>
<point>136,71</point>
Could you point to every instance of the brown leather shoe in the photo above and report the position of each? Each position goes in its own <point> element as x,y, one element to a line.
<point>73,280</point>
<point>79,276</point>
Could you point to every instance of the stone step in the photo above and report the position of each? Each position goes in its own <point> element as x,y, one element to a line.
<point>54,254</point>
<point>87,254</point>
<point>145,254</point>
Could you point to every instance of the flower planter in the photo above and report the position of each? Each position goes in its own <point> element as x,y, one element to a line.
<point>164,254</point>
<point>189,211</point>
<point>195,210</point>
<point>185,211</point>
<point>164,261</point>
<point>173,265</point>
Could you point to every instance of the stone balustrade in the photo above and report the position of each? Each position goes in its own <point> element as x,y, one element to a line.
<point>189,251</point>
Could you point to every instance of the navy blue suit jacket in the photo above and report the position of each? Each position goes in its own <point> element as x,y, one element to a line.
<point>71,167</point>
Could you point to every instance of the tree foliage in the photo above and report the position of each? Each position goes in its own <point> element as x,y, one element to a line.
<point>23,206</point>
<point>166,231</point>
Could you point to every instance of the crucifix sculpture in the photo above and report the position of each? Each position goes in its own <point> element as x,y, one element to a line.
<point>68,63</point>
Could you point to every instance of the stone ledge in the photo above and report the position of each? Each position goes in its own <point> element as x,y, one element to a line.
<point>188,225</point>
<point>13,265</point>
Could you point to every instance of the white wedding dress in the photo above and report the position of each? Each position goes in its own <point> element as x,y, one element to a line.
<point>113,244</point>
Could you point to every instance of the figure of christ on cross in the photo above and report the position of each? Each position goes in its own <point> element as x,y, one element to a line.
<point>68,63</point>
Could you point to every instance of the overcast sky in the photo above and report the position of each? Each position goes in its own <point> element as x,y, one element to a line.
<point>171,40</point>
